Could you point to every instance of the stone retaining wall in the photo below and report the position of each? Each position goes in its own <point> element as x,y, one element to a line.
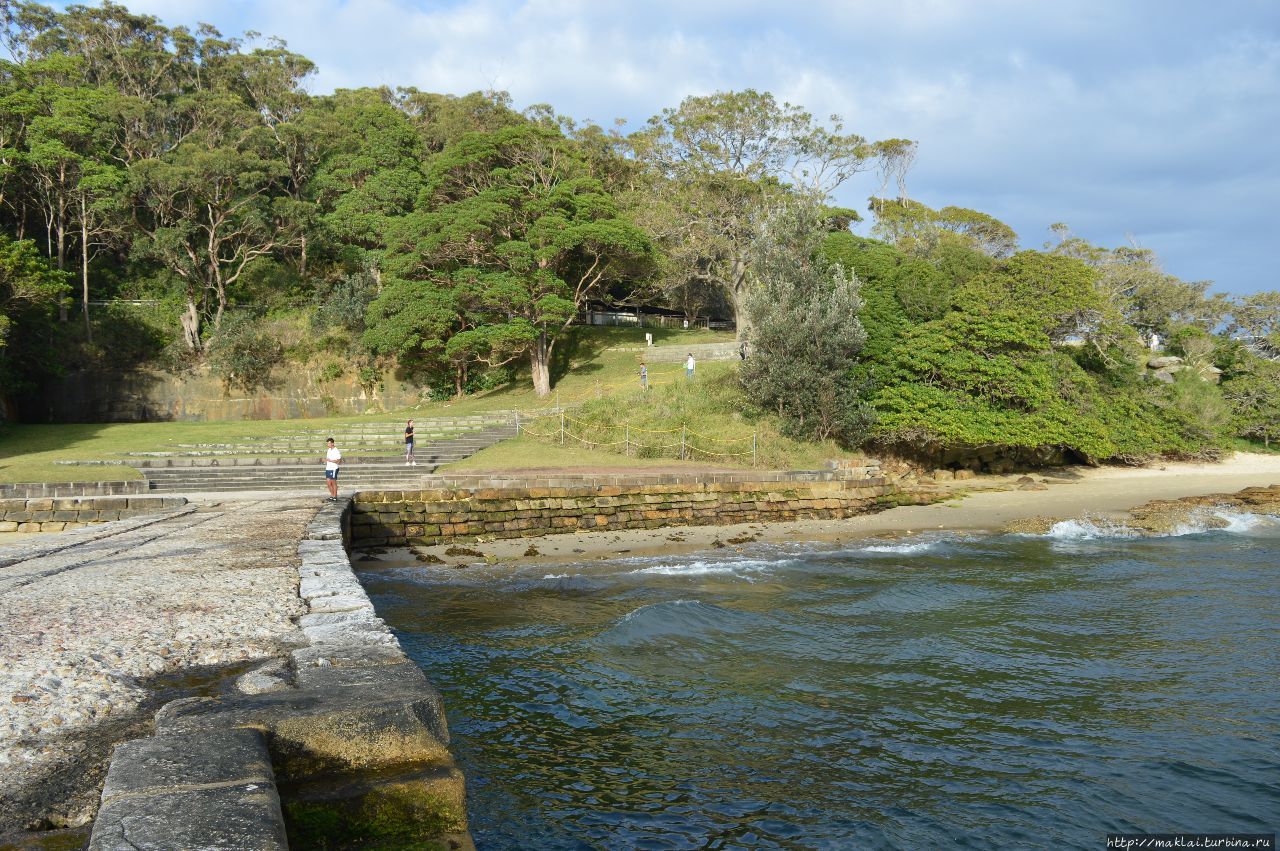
<point>62,513</point>
<point>393,518</point>
<point>32,490</point>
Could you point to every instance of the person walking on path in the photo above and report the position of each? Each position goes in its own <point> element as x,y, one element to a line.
<point>644,376</point>
<point>688,366</point>
<point>332,461</point>
<point>408,445</point>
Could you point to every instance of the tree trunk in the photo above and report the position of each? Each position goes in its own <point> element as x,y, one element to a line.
<point>84,268</point>
<point>738,295</point>
<point>191,326</point>
<point>302,258</point>
<point>540,365</point>
<point>61,228</point>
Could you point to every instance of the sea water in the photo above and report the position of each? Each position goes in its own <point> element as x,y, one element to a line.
<point>939,691</point>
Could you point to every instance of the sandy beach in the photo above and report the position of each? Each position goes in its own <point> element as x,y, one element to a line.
<point>987,503</point>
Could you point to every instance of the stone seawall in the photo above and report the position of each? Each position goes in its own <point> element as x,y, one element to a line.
<point>394,518</point>
<point>63,513</point>
<point>341,744</point>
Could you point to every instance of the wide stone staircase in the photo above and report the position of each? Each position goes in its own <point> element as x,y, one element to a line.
<point>372,456</point>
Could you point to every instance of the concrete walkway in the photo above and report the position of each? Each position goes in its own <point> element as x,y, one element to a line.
<point>104,623</point>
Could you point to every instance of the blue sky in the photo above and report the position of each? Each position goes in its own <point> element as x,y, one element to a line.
<point>1156,123</point>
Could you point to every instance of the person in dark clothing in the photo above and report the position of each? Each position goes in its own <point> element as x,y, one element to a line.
<point>408,445</point>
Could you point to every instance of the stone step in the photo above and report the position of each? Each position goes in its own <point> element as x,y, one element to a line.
<point>205,789</point>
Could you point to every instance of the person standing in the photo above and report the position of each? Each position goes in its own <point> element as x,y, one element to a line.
<point>644,376</point>
<point>332,461</point>
<point>408,445</point>
<point>688,366</point>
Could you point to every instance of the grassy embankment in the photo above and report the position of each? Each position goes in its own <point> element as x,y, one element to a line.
<point>597,381</point>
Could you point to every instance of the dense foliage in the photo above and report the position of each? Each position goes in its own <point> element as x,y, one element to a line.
<point>194,192</point>
<point>804,335</point>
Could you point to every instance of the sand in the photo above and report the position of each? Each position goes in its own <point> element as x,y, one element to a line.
<point>987,503</point>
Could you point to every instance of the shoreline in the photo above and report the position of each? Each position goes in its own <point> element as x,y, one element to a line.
<point>984,504</point>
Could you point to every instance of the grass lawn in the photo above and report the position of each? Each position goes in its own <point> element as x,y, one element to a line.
<point>528,453</point>
<point>585,368</point>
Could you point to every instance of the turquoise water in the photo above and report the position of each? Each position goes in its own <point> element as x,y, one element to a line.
<point>967,692</point>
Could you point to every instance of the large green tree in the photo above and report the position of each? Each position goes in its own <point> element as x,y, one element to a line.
<point>717,163</point>
<point>519,207</point>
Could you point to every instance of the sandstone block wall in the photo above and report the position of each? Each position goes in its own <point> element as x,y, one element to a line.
<point>381,518</point>
<point>62,513</point>
<point>37,490</point>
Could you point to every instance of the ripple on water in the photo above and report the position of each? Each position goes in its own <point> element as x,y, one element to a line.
<point>979,692</point>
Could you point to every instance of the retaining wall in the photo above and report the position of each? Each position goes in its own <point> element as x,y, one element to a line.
<point>62,513</point>
<point>392,518</point>
<point>26,490</point>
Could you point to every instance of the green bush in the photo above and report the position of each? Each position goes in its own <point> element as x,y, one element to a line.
<point>243,354</point>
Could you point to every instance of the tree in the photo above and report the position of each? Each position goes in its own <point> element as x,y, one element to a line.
<point>717,163</point>
<point>370,174</point>
<point>518,207</point>
<point>1257,316</point>
<point>805,334</point>
<point>1131,280</point>
<point>1253,392</point>
<point>210,214</point>
<point>30,290</point>
<point>922,231</point>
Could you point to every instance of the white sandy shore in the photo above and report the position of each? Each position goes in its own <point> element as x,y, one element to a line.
<point>987,503</point>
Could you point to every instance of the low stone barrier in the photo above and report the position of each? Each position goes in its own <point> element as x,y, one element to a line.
<point>58,514</point>
<point>40,490</point>
<point>343,744</point>
<point>393,518</point>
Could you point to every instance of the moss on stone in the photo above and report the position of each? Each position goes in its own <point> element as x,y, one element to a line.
<point>393,818</point>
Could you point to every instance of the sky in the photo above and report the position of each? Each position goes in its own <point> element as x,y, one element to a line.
<point>1147,122</point>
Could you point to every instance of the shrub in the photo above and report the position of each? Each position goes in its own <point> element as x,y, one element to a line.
<point>243,354</point>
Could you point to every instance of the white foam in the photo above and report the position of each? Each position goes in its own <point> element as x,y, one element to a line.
<point>1237,522</point>
<point>1243,521</point>
<point>1087,530</point>
<point>900,549</point>
<point>557,576</point>
<point>705,568</point>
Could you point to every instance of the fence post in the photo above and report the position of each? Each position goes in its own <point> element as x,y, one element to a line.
<point>562,428</point>
<point>755,440</point>
<point>682,431</point>
<point>597,388</point>
<point>626,441</point>
<point>517,423</point>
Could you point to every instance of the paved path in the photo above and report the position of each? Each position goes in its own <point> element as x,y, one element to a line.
<point>101,624</point>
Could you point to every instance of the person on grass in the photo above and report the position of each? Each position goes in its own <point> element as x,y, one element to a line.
<point>332,461</point>
<point>688,366</point>
<point>408,445</point>
<point>644,376</point>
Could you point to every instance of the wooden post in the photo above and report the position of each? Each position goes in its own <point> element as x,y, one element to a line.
<point>517,423</point>
<point>597,388</point>
<point>755,439</point>
<point>562,428</point>
<point>626,441</point>
<point>682,431</point>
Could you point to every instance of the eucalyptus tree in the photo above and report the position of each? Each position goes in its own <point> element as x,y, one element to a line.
<point>717,163</point>
<point>209,209</point>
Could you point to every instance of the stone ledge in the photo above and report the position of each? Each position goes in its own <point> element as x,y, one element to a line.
<point>200,790</point>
